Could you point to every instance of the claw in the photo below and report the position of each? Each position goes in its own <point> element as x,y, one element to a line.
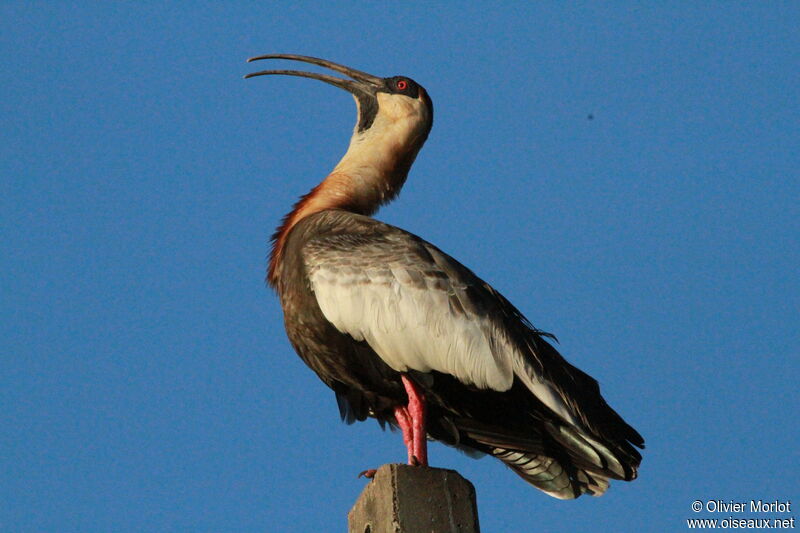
<point>369,473</point>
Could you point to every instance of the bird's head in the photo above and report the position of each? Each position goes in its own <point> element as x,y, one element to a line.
<point>395,114</point>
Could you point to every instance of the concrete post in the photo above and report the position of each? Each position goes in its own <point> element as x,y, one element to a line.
<point>415,499</point>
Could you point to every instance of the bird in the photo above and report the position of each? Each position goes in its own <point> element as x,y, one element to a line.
<point>405,334</point>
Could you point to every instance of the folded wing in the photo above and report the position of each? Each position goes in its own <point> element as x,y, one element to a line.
<point>419,309</point>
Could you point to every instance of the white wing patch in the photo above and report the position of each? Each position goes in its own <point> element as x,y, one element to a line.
<point>407,319</point>
<point>416,315</point>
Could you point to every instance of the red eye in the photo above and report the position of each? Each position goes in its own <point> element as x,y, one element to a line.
<point>402,85</point>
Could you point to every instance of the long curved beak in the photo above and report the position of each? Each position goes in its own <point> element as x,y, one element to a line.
<point>360,84</point>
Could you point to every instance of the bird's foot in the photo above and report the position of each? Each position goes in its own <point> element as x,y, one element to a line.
<point>418,448</point>
<point>369,473</point>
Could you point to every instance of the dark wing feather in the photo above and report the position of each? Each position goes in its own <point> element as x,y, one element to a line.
<point>423,312</point>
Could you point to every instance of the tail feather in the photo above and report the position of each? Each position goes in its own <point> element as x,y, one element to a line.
<point>550,476</point>
<point>562,462</point>
<point>588,452</point>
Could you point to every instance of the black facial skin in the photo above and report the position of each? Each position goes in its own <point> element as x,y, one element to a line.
<point>367,111</point>
<point>402,85</point>
<point>393,85</point>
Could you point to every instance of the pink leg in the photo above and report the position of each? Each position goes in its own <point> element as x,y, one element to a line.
<point>404,421</point>
<point>416,411</point>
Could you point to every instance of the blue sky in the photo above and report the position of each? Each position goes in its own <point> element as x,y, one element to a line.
<point>146,382</point>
